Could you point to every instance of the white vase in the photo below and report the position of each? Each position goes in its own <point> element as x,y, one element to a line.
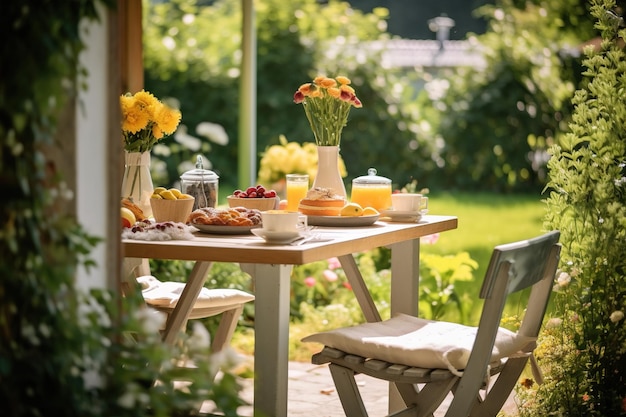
<point>137,182</point>
<point>328,175</point>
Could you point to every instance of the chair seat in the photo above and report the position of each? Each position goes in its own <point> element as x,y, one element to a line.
<point>391,372</point>
<point>416,342</point>
<point>165,295</point>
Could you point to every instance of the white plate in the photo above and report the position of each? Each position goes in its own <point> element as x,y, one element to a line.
<point>278,238</point>
<point>342,221</point>
<point>225,230</point>
<point>403,216</point>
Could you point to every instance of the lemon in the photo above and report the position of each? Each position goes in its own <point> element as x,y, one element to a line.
<point>352,210</point>
<point>185,196</point>
<point>176,192</point>
<point>370,211</point>
<point>159,190</point>
<point>157,196</point>
<point>168,195</point>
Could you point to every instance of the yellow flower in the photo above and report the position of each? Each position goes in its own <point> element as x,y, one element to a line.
<point>145,121</point>
<point>290,158</point>
<point>327,103</point>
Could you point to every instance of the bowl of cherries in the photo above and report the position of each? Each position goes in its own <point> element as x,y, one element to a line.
<point>257,197</point>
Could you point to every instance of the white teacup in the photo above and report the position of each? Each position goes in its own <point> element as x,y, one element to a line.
<point>409,202</point>
<point>283,221</point>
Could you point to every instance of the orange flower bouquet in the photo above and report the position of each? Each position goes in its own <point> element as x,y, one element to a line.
<point>327,103</point>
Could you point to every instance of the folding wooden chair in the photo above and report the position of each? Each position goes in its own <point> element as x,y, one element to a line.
<point>447,357</point>
<point>164,297</point>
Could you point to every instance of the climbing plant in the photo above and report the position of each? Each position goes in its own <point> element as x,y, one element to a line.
<point>64,352</point>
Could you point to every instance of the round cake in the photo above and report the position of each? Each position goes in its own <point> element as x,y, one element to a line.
<point>321,202</point>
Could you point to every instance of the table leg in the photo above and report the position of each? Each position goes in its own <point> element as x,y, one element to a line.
<point>185,303</point>
<point>359,288</point>
<point>271,340</point>
<point>405,273</point>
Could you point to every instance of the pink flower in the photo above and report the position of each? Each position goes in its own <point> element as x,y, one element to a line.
<point>309,282</point>
<point>330,275</point>
<point>585,397</point>
<point>333,263</point>
<point>347,285</point>
<point>430,239</point>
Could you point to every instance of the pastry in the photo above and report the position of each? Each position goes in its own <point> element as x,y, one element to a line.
<point>321,202</point>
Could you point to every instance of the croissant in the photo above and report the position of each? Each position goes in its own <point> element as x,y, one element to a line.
<point>137,211</point>
<point>239,216</point>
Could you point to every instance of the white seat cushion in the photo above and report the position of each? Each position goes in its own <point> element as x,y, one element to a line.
<point>417,342</point>
<point>166,294</point>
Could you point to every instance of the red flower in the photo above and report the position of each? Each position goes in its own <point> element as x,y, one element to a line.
<point>298,97</point>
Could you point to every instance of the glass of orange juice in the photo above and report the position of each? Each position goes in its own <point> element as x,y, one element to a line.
<point>297,187</point>
<point>371,190</point>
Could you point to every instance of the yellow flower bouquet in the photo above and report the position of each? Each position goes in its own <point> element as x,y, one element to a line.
<point>290,158</point>
<point>327,103</point>
<point>145,121</point>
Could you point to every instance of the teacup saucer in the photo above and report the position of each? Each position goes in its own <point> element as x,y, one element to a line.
<point>403,216</point>
<point>277,238</point>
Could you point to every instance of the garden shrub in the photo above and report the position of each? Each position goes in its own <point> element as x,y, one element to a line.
<point>583,350</point>
<point>498,121</point>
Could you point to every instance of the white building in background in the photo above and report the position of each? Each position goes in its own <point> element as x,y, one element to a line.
<point>431,55</point>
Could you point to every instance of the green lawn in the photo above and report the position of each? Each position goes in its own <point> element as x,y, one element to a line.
<point>486,220</point>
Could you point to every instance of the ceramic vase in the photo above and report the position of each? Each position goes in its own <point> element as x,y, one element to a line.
<point>328,174</point>
<point>137,181</point>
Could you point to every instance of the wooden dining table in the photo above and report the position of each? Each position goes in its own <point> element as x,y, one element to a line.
<point>270,266</point>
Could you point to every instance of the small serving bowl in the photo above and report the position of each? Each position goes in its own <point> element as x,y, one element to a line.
<point>261,204</point>
<point>171,210</point>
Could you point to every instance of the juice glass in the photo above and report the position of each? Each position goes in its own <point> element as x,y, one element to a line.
<point>297,187</point>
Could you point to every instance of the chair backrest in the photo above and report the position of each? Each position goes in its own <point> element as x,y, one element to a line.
<point>518,266</point>
<point>528,260</point>
<point>513,267</point>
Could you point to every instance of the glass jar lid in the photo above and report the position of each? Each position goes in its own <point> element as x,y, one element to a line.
<point>371,179</point>
<point>199,174</point>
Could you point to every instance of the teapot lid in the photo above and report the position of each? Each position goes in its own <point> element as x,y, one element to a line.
<point>371,178</point>
<point>199,173</point>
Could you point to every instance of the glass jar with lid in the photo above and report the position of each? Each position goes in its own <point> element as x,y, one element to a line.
<point>201,184</point>
<point>371,190</point>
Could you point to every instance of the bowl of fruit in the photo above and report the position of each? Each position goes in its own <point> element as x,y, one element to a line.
<point>257,197</point>
<point>170,205</point>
